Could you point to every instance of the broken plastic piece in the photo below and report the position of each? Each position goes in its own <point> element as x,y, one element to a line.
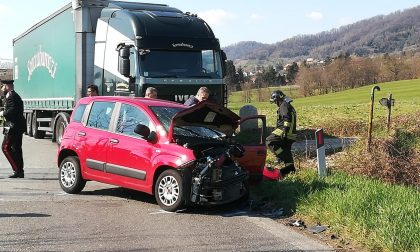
<point>317,229</point>
<point>298,223</point>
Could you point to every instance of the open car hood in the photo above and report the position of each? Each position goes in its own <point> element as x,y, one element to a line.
<point>207,114</point>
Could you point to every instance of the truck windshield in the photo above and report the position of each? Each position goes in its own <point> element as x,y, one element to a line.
<point>181,64</point>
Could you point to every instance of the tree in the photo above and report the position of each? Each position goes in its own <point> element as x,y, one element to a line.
<point>241,78</point>
<point>292,71</point>
<point>231,78</point>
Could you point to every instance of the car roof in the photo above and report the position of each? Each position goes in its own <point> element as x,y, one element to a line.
<point>138,100</point>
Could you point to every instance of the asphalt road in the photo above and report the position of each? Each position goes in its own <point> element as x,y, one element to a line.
<point>36,215</point>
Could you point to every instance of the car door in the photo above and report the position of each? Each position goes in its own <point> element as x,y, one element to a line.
<point>93,139</point>
<point>129,154</point>
<point>251,135</point>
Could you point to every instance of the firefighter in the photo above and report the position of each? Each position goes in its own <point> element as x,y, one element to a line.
<point>281,139</point>
<point>14,127</point>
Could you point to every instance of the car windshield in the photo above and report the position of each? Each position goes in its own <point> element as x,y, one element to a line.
<point>181,64</point>
<point>165,115</point>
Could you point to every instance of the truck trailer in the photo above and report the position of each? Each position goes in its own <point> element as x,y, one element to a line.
<point>123,48</point>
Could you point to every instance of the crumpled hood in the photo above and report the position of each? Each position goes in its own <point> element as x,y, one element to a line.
<point>207,114</point>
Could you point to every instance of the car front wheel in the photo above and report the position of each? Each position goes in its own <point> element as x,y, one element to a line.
<point>169,191</point>
<point>70,176</point>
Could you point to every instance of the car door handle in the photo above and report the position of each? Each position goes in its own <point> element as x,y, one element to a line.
<point>81,133</point>
<point>113,141</point>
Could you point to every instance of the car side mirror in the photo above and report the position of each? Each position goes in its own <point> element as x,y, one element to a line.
<point>145,132</point>
<point>124,60</point>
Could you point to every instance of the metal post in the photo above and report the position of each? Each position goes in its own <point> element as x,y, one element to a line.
<point>388,118</point>
<point>320,152</point>
<point>372,98</point>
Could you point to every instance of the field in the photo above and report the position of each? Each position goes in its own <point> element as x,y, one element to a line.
<point>350,105</point>
<point>369,209</point>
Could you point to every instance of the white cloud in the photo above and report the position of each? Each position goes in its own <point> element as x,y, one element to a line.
<point>345,21</point>
<point>4,10</point>
<point>255,16</point>
<point>216,17</point>
<point>315,15</point>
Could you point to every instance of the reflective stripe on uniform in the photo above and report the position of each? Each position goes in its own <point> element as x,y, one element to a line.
<point>278,151</point>
<point>290,133</point>
<point>278,132</point>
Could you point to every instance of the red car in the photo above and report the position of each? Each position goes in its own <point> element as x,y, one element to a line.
<point>182,155</point>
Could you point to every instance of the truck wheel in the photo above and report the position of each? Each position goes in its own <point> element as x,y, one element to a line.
<point>38,134</point>
<point>29,124</point>
<point>59,128</point>
<point>169,191</point>
<point>70,176</point>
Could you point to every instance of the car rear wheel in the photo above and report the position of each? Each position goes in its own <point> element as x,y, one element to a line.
<point>169,191</point>
<point>70,176</point>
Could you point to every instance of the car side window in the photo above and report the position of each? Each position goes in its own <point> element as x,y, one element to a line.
<point>100,115</point>
<point>129,118</point>
<point>78,113</point>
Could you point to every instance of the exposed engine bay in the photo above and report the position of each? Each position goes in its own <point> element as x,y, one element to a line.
<point>216,178</point>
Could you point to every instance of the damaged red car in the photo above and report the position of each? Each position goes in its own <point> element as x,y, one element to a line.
<point>204,154</point>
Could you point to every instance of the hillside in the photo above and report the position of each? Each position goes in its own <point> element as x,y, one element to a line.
<point>396,32</point>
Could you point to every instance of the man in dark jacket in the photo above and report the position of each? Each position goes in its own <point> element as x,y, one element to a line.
<point>202,95</point>
<point>281,139</point>
<point>14,126</point>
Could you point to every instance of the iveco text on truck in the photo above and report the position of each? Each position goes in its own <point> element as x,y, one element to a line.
<point>123,47</point>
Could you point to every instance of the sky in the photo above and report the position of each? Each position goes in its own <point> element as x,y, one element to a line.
<point>232,21</point>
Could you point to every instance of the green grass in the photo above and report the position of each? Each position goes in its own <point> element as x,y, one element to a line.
<point>352,105</point>
<point>381,217</point>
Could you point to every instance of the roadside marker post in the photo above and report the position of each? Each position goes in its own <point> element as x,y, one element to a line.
<point>320,152</point>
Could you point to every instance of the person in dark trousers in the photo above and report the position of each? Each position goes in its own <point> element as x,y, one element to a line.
<point>92,90</point>
<point>202,95</point>
<point>13,129</point>
<point>281,139</point>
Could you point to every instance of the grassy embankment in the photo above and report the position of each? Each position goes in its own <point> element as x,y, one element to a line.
<point>379,215</point>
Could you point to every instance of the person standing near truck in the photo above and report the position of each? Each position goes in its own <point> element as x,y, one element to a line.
<point>151,92</point>
<point>92,90</point>
<point>14,127</point>
<point>281,139</point>
<point>202,94</point>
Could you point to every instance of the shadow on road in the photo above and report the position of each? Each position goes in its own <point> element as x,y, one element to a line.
<point>120,192</point>
<point>5,215</point>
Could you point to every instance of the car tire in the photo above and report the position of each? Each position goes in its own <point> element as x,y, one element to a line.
<point>70,176</point>
<point>170,191</point>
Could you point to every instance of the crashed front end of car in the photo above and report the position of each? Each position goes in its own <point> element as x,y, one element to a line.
<point>215,176</point>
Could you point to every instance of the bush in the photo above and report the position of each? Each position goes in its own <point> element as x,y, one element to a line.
<point>395,159</point>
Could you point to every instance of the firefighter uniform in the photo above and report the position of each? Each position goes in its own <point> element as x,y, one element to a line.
<point>281,139</point>
<point>14,127</point>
